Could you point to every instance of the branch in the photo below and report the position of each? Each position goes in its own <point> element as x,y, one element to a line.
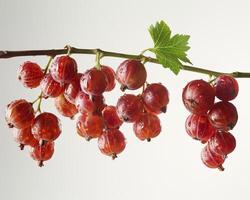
<point>73,50</point>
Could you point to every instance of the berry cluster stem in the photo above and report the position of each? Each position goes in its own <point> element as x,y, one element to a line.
<point>53,52</point>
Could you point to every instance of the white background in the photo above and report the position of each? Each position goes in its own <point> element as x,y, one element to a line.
<point>167,168</point>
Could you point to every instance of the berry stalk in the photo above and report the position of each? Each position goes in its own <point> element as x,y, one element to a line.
<point>73,50</point>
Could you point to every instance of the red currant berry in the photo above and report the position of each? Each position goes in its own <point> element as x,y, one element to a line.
<point>199,127</point>
<point>93,82</point>
<point>89,126</point>
<point>110,75</point>
<point>63,69</point>
<point>42,152</point>
<point>226,87</point>
<point>147,126</point>
<point>111,117</point>
<point>84,103</point>
<point>19,114</point>
<point>30,74</point>
<point>64,107</point>
<point>129,107</point>
<point>223,116</point>
<point>50,87</point>
<point>46,127</point>
<point>155,98</point>
<point>25,137</point>
<point>112,142</point>
<point>222,143</point>
<point>72,89</point>
<point>211,159</point>
<point>198,97</point>
<point>131,74</point>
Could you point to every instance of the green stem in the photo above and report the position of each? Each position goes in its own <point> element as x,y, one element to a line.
<point>54,52</point>
<point>97,60</point>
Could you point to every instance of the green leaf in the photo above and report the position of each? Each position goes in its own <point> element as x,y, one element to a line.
<point>170,50</point>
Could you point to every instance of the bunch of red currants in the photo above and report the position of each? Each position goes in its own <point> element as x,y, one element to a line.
<point>82,93</point>
<point>210,121</point>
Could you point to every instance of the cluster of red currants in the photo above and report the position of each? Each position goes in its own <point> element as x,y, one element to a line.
<point>210,121</point>
<point>82,93</point>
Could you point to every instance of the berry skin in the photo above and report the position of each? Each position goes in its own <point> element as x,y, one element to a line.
<point>72,89</point>
<point>89,126</point>
<point>42,152</point>
<point>30,74</point>
<point>112,142</point>
<point>111,117</point>
<point>198,97</point>
<point>226,87</point>
<point>155,98</point>
<point>84,103</point>
<point>110,75</point>
<point>199,127</point>
<point>99,102</point>
<point>93,82</point>
<point>64,107</point>
<point>63,69</point>
<point>46,127</point>
<point>50,87</point>
<point>222,143</point>
<point>147,126</point>
<point>223,116</point>
<point>129,107</point>
<point>211,159</point>
<point>131,74</point>
<point>25,137</point>
<point>19,114</point>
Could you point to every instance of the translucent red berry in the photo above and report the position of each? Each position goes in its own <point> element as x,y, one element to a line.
<point>110,75</point>
<point>94,82</point>
<point>64,107</point>
<point>63,69</point>
<point>89,126</point>
<point>72,89</point>
<point>30,74</point>
<point>42,152</point>
<point>222,143</point>
<point>25,137</point>
<point>19,114</point>
<point>46,127</point>
<point>111,117</point>
<point>112,142</point>
<point>198,96</point>
<point>129,107</point>
<point>147,126</point>
<point>155,98</point>
<point>211,159</point>
<point>131,74</point>
<point>226,87</point>
<point>84,102</point>
<point>223,116</point>
<point>199,127</point>
<point>50,87</point>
